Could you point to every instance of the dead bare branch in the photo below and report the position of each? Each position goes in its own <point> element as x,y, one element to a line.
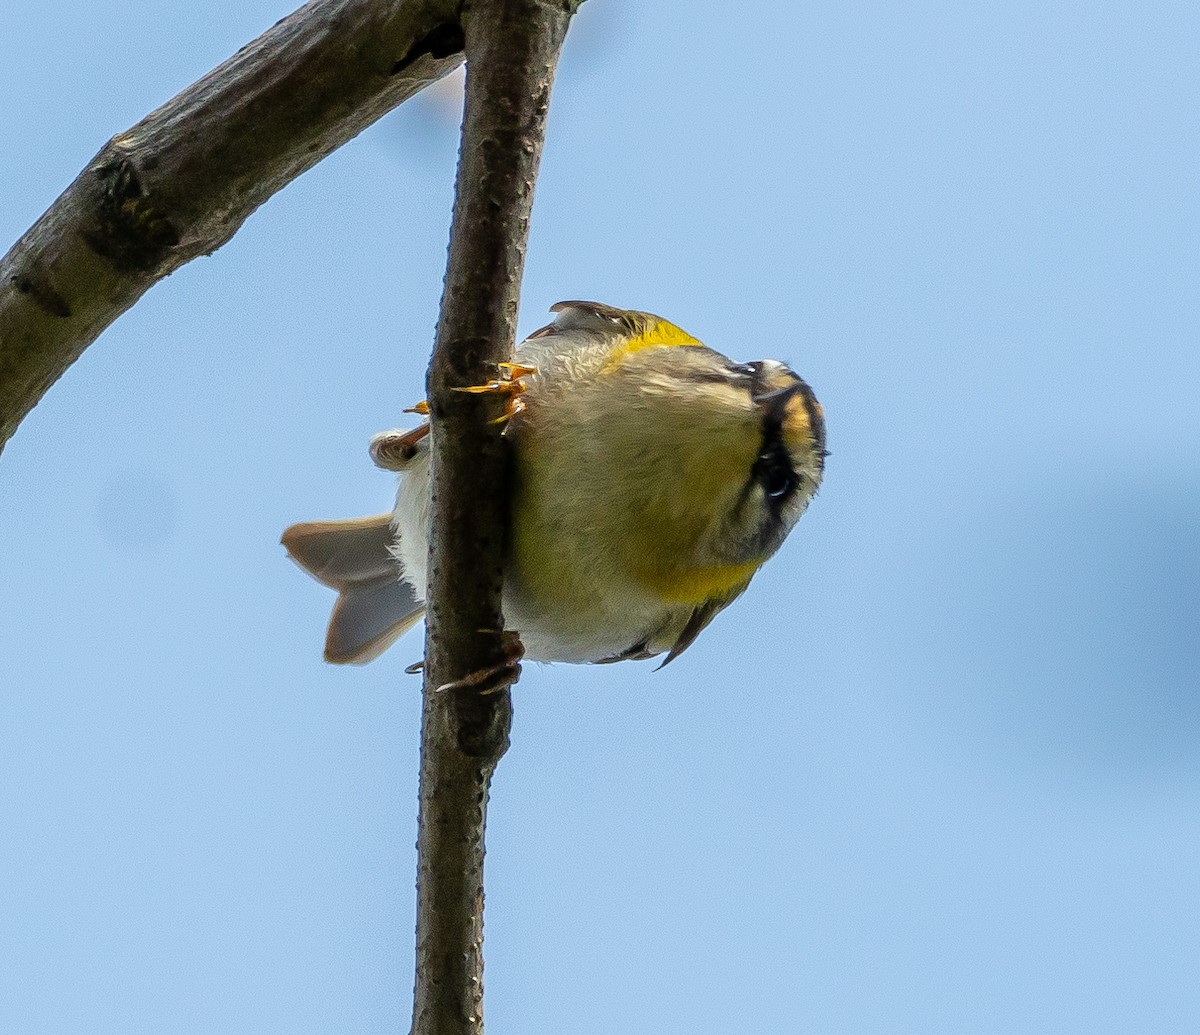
<point>183,180</point>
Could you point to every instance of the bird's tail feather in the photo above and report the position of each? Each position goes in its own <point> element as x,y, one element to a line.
<point>375,605</point>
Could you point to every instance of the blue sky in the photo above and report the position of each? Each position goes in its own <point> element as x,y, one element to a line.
<point>939,770</point>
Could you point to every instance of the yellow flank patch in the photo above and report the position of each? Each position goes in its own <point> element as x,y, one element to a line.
<point>651,334</point>
<point>696,585</point>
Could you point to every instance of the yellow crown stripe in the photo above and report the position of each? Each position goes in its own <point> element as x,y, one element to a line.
<point>651,334</point>
<point>660,332</point>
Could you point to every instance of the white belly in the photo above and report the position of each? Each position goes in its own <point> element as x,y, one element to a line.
<point>581,623</point>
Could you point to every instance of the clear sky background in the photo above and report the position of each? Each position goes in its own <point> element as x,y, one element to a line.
<point>938,771</point>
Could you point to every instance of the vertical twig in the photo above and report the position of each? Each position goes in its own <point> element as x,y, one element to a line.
<point>512,48</point>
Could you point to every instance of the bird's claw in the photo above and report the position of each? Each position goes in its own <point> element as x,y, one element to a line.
<point>497,677</point>
<point>510,383</point>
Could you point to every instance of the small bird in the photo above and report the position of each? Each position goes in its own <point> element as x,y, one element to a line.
<point>651,478</point>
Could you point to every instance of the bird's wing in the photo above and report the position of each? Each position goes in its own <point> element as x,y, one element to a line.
<point>700,619</point>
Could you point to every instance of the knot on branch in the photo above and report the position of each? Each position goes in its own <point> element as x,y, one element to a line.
<point>129,229</point>
<point>484,722</point>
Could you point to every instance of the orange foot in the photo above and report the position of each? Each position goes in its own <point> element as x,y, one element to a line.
<point>510,383</point>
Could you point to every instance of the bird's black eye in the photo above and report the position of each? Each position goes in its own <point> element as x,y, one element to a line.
<point>779,482</point>
<point>774,473</point>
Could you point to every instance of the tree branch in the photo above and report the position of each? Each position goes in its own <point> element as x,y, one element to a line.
<point>183,180</point>
<point>512,49</point>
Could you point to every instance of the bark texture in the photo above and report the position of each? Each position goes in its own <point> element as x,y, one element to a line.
<point>512,49</point>
<point>183,180</point>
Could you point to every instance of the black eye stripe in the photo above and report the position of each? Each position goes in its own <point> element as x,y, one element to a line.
<point>773,470</point>
<point>774,404</point>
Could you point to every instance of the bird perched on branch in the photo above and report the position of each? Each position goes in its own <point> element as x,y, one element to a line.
<point>652,477</point>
